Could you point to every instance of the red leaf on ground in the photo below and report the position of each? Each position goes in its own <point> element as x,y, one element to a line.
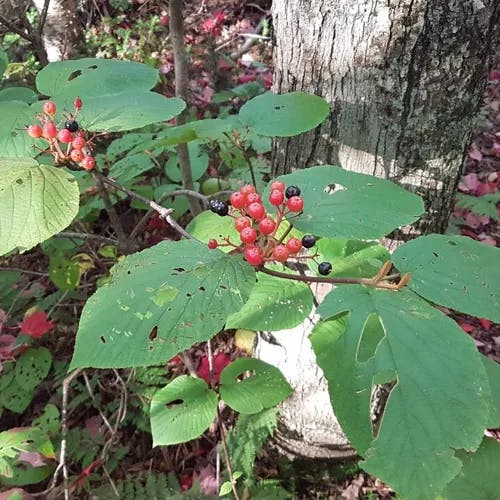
<point>36,325</point>
<point>186,481</point>
<point>221,360</point>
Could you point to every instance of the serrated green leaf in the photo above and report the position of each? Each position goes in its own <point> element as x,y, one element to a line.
<point>14,141</point>
<point>274,304</point>
<point>360,206</point>
<point>493,371</point>
<point>23,94</point>
<point>479,478</point>
<point>32,367</point>
<point>81,77</point>
<point>182,411</point>
<point>184,289</point>
<point>131,166</point>
<point>265,387</point>
<point>36,201</point>
<point>284,115</point>
<point>441,399</point>
<point>353,258</point>
<point>453,271</point>
<point>482,205</point>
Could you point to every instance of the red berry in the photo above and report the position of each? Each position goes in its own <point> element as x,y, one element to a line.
<point>237,200</point>
<point>35,131</point>
<point>88,163</point>
<point>212,244</point>
<point>254,255</point>
<point>77,103</point>
<point>248,235</point>
<point>49,108</point>
<point>294,245</point>
<point>241,223</point>
<point>276,197</point>
<point>78,142</point>
<point>267,225</point>
<point>65,136</point>
<point>295,204</point>
<point>253,198</point>
<point>77,155</point>
<point>247,189</point>
<point>256,211</point>
<point>281,253</point>
<point>49,130</point>
<point>277,186</point>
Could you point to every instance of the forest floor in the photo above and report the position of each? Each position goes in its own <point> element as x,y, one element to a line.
<point>218,34</point>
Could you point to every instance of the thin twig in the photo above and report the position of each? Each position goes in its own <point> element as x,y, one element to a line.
<point>188,363</point>
<point>12,27</point>
<point>43,17</point>
<point>176,26</point>
<point>86,236</point>
<point>25,271</point>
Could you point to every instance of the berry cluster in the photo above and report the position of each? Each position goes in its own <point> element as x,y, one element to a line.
<point>258,229</point>
<point>69,136</point>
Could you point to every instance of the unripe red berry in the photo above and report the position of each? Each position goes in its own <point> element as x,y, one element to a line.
<point>277,186</point>
<point>248,235</point>
<point>65,136</point>
<point>281,253</point>
<point>77,155</point>
<point>35,131</point>
<point>276,197</point>
<point>267,225</point>
<point>256,210</point>
<point>77,103</point>
<point>88,163</point>
<point>241,223</point>
<point>254,255</point>
<point>212,244</point>
<point>253,198</point>
<point>237,200</point>
<point>49,130</point>
<point>78,142</point>
<point>294,245</point>
<point>247,189</point>
<point>49,108</point>
<point>295,204</point>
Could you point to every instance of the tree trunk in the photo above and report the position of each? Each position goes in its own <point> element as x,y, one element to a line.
<point>405,80</point>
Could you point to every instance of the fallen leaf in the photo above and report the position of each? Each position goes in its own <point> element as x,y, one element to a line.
<point>36,325</point>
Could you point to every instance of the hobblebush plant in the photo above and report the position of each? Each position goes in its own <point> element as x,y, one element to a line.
<point>381,323</point>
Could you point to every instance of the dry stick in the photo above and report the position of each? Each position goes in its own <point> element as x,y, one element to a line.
<point>181,90</point>
<point>220,423</point>
<point>86,236</point>
<point>43,18</point>
<point>123,240</point>
<point>12,27</point>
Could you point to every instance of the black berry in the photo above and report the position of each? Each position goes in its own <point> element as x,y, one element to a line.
<point>324,268</point>
<point>219,207</point>
<point>308,241</point>
<point>71,125</point>
<point>292,191</point>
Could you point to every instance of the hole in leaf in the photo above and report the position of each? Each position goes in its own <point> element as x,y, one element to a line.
<point>189,294</point>
<point>278,107</point>
<point>153,334</point>
<point>13,133</point>
<point>103,340</point>
<point>74,75</point>
<point>435,254</point>
<point>129,272</point>
<point>334,188</point>
<point>224,287</point>
<point>94,66</point>
<point>179,269</point>
<point>453,243</point>
<point>202,289</point>
<point>19,181</point>
<point>174,403</point>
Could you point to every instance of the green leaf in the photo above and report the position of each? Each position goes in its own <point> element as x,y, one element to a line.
<point>284,115</point>
<point>352,258</point>
<point>4,61</point>
<point>49,421</point>
<point>199,162</point>
<point>265,387</point>
<point>36,202</point>
<point>225,489</point>
<point>455,272</point>
<point>82,77</point>
<point>184,289</point>
<point>14,140</point>
<point>64,273</point>
<point>482,205</point>
<point>274,304</point>
<point>208,225</point>
<point>182,411</point>
<point>360,206</point>
<point>493,371</point>
<point>131,166</point>
<point>126,143</point>
<point>441,399</point>
<point>479,478</point>
<point>32,367</point>
<point>23,94</point>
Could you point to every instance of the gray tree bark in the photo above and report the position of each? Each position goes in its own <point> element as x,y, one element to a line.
<point>404,79</point>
